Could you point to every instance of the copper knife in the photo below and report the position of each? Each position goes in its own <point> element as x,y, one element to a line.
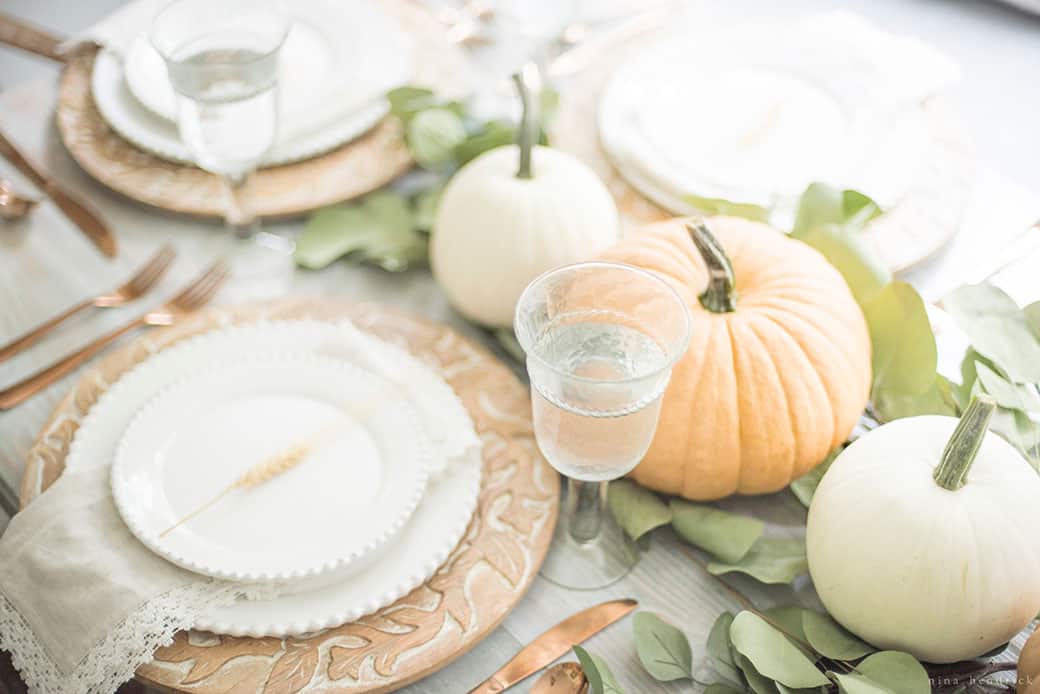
<point>86,219</point>
<point>554,643</point>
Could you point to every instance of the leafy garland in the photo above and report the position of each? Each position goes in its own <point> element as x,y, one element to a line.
<point>390,228</point>
<point>787,648</point>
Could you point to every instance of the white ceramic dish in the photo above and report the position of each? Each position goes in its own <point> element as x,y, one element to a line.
<point>346,498</point>
<point>749,115</point>
<point>410,560</point>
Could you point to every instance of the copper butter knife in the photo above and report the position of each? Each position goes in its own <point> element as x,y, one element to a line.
<point>554,643</point>
<point>85,218</point>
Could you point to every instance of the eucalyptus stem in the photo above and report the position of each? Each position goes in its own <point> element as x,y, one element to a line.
<point>720,296</point>
<point>529,86</point>
<point>964,443</point>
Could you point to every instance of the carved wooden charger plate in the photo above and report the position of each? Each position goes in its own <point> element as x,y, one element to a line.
<point>479,584</point>
<point>919,225</point>
<point>354,169</point>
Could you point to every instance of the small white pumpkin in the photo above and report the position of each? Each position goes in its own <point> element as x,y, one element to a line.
<point>923,537</point>
<point>511,214</point>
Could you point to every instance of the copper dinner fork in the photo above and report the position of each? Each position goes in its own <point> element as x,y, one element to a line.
<point>193,297</point>
<point>135,287</point>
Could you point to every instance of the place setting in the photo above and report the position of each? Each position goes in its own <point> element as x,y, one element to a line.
<point>566,349</point>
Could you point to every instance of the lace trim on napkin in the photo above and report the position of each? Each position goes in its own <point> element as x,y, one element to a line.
<point>113,661</point>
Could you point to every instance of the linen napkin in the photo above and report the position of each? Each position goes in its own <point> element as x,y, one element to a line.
<point>83,603</point>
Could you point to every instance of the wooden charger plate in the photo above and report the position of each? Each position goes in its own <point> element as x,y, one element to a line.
<point>352,170</point>
<point>481,582</point>
<point>920,224</point>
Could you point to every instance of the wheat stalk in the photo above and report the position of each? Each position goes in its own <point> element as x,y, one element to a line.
<point>262,472</point>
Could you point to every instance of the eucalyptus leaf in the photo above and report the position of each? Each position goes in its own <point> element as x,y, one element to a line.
<point>425,204</point>
<point>862,268</point>
<point>721,206</point>
<point>788,619</point>
<point>496,133</point>
<point>720,688</point>
<point>853,683</point>
<point>406,101</point>
<point>772,653</point>
<point>759,683</point>
<point>1013,396</point>
<point>378,229</point>
<point>1032,314</point>
<point>636,509</point>
<point>720,649</point>
<point>904,353</point>
<point>727,536</point>
<point>1020,431</point>
<point>601,679</point>
<point>770,560</point>
<point>830,639</point>
<point>899,672</point>
<point>941,397</point>
<point>818,206</point>
<point>433,135</point>
<point>997,328</point>
<point>663,649</point>
<point>805,486</point>
<point>858,208</point>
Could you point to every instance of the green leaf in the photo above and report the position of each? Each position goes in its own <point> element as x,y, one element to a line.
<point>496,133</point>
<point>759,683</point>
<point>830,639</point>
<point>425,204</point>
<point>997,329</point>
<point>898,672</point>
<point>379,229</point>
<point>821,205</point>
<point>729,208</point>
<point>861,267</point>
<point>406,101</point>
<point>719,688</point>
<point>601,679</point>
<point>433,135</point>
<point>720,649</point>
<point>1013,396</point>
<point>663,650</point>
<point>771,560</point>
<point>854,683</point>
<point>904,354</point>
<point>727,536</point>
<point>788,619</point>
<point>939,398</point>
<point>1032,314</point>
<point>772,653</point>
<point>858,208</point>
<point>1020,431</point>
<point>636,509</point>
<point>805,486</point>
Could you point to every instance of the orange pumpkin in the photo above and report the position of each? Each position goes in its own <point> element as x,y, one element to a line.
<point>778,368</point>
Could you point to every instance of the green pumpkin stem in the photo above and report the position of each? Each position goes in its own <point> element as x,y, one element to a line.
<point>964,443</point>
<point>720,296</point>
<point>528,86</point>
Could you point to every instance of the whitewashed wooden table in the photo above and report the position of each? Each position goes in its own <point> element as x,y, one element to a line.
<point>46,265</point>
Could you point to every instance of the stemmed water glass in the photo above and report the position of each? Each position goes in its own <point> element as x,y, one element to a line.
<point>222,61</point>
<point>601,339</point>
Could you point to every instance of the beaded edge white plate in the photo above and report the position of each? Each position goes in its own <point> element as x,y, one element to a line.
<point>144,505</point>
<point>459,485</point>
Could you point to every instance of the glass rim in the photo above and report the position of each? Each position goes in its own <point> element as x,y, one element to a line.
<point>274,5</point>
<point>681,345</point>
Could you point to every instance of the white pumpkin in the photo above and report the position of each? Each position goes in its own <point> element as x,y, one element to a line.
<point>924,536</point>
<point>511,214</point>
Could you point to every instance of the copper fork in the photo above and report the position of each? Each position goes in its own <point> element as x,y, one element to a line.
<point>135,287</point>
<point>193,297</point>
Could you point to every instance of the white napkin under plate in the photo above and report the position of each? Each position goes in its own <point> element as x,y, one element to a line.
<point>755,112</point>
<point>83,603</point>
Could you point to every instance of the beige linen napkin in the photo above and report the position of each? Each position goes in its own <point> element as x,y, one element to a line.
<point>83,603</point>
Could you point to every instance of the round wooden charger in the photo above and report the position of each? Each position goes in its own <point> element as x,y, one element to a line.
<point>480,583</point>
<point>352,170</point>
<point>919,225</point>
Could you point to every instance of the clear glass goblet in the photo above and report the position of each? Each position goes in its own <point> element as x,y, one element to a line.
<point>222,60</point>
<point>601,339</point>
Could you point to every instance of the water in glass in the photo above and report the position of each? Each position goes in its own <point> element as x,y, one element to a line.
<point>601,428</point>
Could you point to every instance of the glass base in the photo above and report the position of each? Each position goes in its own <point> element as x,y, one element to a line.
<point>596,563</point>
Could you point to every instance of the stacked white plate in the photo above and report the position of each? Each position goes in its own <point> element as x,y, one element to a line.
<point>352,495</point>
<point>338,61</point>
<point>754,113</point>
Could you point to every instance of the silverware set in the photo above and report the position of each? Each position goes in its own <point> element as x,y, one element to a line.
<point>192,297</point>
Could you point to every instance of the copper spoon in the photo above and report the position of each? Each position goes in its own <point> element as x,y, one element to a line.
<point>564,678</point>
<point>12,205</point>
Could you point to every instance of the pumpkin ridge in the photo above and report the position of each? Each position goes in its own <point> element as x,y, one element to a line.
<point>698,375</point>
<point>809,320</point>
<point>736,411</point>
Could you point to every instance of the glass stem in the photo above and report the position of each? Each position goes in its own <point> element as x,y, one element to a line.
<point>241,218</point>
<point>586,504</point>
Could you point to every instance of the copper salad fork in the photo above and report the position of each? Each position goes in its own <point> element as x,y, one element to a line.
<point>191,298</point>
<point>135,287</point>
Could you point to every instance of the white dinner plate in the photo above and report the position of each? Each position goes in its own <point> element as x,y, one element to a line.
<point>749,114</point>
<point>339,454</point>
<point>338,61</point>
<point>424,544</point>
